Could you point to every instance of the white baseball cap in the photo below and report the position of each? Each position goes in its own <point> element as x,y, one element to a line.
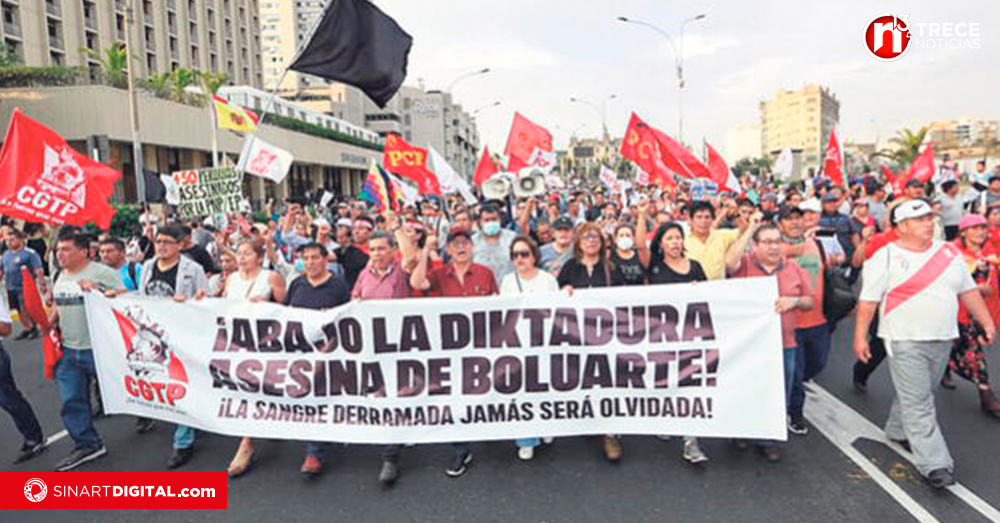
<point>911,209</point>
<point>811,205</point>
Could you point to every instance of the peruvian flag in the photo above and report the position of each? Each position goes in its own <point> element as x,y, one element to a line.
<point>44,180</point>
<point>410,162</point>
<point>525,136</point>
<point>833,160</point>
<point>641,147</point>
<point>922,168</point>
<point>720,173</point>
<point>485,168</point>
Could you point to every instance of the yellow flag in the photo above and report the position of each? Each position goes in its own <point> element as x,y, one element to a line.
<point>233,117</point>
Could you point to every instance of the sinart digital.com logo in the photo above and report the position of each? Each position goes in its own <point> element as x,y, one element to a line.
<point>31,494</point>
<point>887,37</point>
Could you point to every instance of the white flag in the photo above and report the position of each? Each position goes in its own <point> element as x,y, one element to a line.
<point>449,180</point>
<point>410,194</point>
<point>265,160</point>
<point>784,164</point>
<point>173,195</point>
<point>545,161</point>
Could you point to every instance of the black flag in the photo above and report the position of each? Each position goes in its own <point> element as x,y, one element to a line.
<point>358,44</point>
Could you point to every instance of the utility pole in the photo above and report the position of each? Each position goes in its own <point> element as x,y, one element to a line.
<point>140,180</point>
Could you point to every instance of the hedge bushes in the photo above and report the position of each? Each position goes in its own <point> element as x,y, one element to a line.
<point>317,130</point>
<point>43,76</point>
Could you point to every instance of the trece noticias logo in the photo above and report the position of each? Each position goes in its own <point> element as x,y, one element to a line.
<point>888,37</point>
<point>35,490</point>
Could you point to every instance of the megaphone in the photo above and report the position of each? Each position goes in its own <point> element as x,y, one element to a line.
<point>496,188</point>
<point>529,185</point>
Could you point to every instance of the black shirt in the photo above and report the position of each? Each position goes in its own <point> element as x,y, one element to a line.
<point>574,274</point>
<point>327,295</point>
<point>662,273</point>
<point>38,245</point>
<point>162,283</point>
<point>631,269</point>
<point>353,260</point>
<point>202,257</point>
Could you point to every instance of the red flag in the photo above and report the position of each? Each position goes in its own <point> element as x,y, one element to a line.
<point>889,175</point>
<point>43,180</point>
<point>642,148</point>
<point>485,168</point>
<point>720,172</point>
<point>833,161</point>
<point>524,137</point>
<point>409,162</point>
<point>51,346</point>
<point>922,168</point>
<point>678,159</point>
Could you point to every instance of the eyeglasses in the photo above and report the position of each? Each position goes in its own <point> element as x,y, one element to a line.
<point>520,254</point>
<point>592,236</point>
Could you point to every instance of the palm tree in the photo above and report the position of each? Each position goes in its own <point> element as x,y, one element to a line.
<point>180,80</point>
<point>158,85</point>
<point>114,64</point>
<point>907,146</point>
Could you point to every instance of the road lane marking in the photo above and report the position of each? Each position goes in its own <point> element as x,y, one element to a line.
<point>56,437</point>
<point>843,425</point>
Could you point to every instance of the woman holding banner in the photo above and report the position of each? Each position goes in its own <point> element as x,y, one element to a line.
<point>526,279</point>
<point>590,268</point>
<point>251,283</point>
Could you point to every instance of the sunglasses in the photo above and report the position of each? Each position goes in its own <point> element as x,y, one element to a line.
<point>520,254</point>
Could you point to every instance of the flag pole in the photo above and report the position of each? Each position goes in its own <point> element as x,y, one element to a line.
<point>215,133</point>
<point>137,161</point>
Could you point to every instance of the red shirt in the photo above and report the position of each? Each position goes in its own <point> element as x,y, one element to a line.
<point>479,281</point>
<point>878,241</point>
<point>992,299</point>
<point>793,282</point>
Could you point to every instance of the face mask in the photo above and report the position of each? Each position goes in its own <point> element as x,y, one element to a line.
<point>491,228</point>
<point>625,243</point>
<point>300,266</point>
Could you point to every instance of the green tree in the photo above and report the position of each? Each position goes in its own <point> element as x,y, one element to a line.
<point>114,64</point>
<point>906,146</point>
<point>157,85</point>
<point>8,58</point>
<point>180,80</point>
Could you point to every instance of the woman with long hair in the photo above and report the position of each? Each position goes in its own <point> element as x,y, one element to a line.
<point>251,282</point>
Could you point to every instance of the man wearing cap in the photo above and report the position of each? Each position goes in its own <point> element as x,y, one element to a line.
<point>913,284</point>
<point>554,255</point>
<point>769,206</point>
<point>459,277</point>
<point>842,226</point>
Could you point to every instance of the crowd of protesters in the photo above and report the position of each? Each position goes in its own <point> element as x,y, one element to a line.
<point>927,295</point>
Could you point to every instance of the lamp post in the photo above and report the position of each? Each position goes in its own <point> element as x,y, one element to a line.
<point>137,161</point>
<point>487,106</point>
<point>678,61</point>
<point>466,76</point>
<point>602,109</point>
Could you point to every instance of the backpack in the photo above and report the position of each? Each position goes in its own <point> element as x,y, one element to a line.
<point>130,268</point>
<point>839,298</point>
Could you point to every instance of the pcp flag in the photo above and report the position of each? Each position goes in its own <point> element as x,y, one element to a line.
<point>721,174</point>
<point>230,116</point>
<point>485,168</point>
<point>260,158</point>
<point>833,160</point>
<point>44,180</point>
<point>410,162</point>
<point>449,180</point>
<point>357,44</point>
<point>525,136</point>
<point>641,147</point>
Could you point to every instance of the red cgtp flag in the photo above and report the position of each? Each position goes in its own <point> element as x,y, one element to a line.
<point>409,162</point>
<point>833,160</point>
<point>485,168</point>
<point>43,180</point>
<point>922,167</point>
<point>678,159</point>
<point>51,345</point>
<point>524,137</point>
<point>642,148</point>
<point>720,172</point>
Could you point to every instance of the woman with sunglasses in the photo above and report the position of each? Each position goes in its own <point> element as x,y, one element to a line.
<point>527,278</point>
<point>590,268</point>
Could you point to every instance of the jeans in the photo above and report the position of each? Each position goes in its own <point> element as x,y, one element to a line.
<point>183,437</point>
<point>527,442</point>
<point>810,360</point>
<point>14,403</point>
<point>391,453</point>
<point>790,357</point>
<point>73,374</point>
<point>316,449</point>
<point>862,371</point>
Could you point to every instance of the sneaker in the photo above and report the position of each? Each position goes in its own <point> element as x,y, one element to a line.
<point>947,381</point>
<point>144,425</point>
<point>180,457</point>
<point>526,453</point>
<point>860,381</point>
<point>612,449</point>
<point>459,464</point>
<point>29,450</point>
<point>548,441</point>
<point>989,403</point>
<point>311,467</point>
<point>798,426</point>
<point>692,452</point>
<point>389,473</point>
<point>663,437</point>
<point>940,478</point>
<point>771,453</point>
<point>79,456</point>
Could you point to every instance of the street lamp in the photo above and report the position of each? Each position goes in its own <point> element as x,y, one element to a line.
<point>602,110</point>
<point>466,76</point>
<point>487,106</point>
<point>678,61</point>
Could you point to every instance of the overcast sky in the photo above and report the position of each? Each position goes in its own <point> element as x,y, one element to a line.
<point>542,52</point>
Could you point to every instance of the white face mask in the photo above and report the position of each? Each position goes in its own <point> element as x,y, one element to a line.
<point>625,243</point>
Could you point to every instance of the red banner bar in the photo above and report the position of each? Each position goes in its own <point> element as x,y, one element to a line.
<point>113,490</point>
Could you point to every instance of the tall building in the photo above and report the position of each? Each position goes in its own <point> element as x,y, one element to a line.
<point>285,26</point>
<point>743,141</point>
<point>800,120</point>
<point>221,36</point>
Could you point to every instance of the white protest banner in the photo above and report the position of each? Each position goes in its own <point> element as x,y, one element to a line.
<point>545,161</point>
<point>262,159</point>
<point>607,176</point>
<point>205,192</point>
<point>699,360</point>
<point>173,196</point>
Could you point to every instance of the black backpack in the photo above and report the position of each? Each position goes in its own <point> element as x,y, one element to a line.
<point>839,298</point>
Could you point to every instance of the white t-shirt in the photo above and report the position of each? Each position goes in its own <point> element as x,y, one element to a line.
<point>5,310</point>
<point>542,282</point>
<point>930,314</point>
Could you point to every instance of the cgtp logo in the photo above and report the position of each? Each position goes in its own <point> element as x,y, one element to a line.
<point>29,488</point>
<point>887,37</point>
<point>160,376</point>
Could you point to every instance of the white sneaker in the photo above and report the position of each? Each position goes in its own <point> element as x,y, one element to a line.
<point>548,441</point>
<point>526,453</point>
<point>692,452</point>
<point>663,437</point>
